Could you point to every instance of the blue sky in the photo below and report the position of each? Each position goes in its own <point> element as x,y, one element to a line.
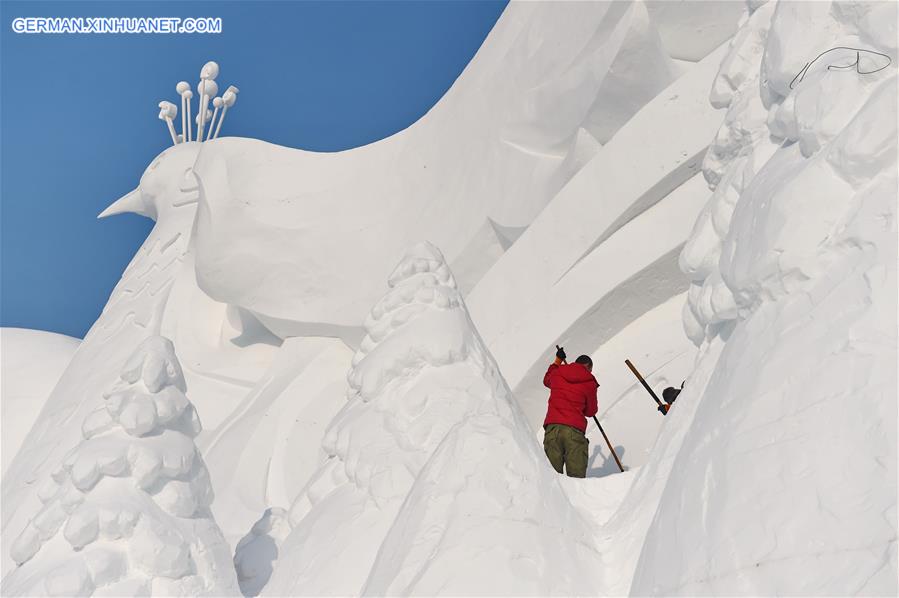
<point>78,117</point>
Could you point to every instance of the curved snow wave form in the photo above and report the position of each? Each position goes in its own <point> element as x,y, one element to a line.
<point>127,511</point>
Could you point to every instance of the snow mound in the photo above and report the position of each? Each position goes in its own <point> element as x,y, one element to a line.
<point>786,481</point>
<point>31,362</point>
<point>486,491</point>
<point>428,456</point>
<point>127,511</point>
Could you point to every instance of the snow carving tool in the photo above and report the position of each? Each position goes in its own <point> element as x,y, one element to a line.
<point>603,432</point>
<point>609,444</point>
<point>663,409</point>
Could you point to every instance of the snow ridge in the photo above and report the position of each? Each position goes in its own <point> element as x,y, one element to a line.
<point>127,511</point>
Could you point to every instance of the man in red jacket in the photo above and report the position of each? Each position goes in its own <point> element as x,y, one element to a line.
<point>572,398</point>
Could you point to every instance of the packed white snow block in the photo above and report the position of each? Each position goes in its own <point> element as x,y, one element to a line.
<point>801,400</point>
<point>429,421</point>
<point>31,362</point>
<point>513,129</point>
<point>691,29</point>
<point>130,503</point>
<point>558,271</point>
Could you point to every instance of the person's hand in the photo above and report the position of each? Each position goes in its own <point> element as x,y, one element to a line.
<point>560,353</point>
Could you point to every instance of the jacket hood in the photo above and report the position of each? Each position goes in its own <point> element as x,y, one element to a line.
<point>575,373</point>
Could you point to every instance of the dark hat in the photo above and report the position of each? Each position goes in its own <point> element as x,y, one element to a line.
<point>670,394</point>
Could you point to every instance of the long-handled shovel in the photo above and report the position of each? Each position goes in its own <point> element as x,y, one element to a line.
<point>663,409</point>
<point>609,444</point>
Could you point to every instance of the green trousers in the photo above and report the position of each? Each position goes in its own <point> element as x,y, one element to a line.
<point>568,446</point>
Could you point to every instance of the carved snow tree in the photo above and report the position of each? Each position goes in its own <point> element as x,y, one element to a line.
<point>127,511</point>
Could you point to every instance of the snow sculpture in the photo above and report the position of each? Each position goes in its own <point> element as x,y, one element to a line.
<point>136,309</point>
<point>760,118</point>
<point>429,419</point>
<point>207,89</point>
<point>127,511</point>
<point>741,145</point>
<point>520,121</point>
<point>786,482</point>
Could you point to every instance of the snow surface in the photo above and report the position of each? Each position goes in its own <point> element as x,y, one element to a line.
<point>691,29</point>
<point>790,484</point>
<point>370,440</point>
<point>31,362</point>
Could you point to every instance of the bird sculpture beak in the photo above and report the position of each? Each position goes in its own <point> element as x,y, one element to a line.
<point>130,202</point>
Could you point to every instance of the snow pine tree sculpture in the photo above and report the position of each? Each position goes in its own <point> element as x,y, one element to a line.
<point>127,511</point>
<point>422,379</point>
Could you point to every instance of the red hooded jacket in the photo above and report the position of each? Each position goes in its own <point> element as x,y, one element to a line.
<point>572,395</point>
